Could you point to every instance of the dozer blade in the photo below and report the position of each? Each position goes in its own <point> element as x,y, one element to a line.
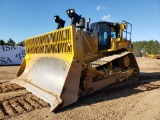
<point>51,78</point>
<point>50,69</point>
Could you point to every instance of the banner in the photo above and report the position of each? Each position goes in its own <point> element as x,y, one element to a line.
<point>11,55</point>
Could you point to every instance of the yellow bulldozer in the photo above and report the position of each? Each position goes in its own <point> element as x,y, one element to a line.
<point>154,56</point>
<point>70,62</point>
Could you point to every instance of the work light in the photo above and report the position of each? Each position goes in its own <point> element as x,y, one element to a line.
<point>75,17</point>
<point>59,21</point>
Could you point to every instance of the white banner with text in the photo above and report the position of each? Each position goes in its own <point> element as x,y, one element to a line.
<point>11,55</point>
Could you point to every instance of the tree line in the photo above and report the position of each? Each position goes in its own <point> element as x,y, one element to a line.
<point>146,47</point>
<point>11,42</point>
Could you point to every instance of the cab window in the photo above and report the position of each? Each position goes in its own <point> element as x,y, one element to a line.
<point>103,34</point>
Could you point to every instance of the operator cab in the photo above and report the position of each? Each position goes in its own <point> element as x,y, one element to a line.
<point>106,31</point>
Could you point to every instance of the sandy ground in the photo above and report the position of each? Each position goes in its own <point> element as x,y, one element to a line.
<point>138,101</point>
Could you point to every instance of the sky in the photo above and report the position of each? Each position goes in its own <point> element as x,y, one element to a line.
<point>21,19</point>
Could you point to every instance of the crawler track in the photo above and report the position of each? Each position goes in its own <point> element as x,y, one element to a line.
<point>114,67</point>
<point>99,63</point>
<point>18,104</point>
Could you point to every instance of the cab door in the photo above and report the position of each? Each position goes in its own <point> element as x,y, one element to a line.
<point>104,37</point>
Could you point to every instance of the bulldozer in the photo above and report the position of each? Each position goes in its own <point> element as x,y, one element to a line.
<point>71,62</point>
<point>154,56</point>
